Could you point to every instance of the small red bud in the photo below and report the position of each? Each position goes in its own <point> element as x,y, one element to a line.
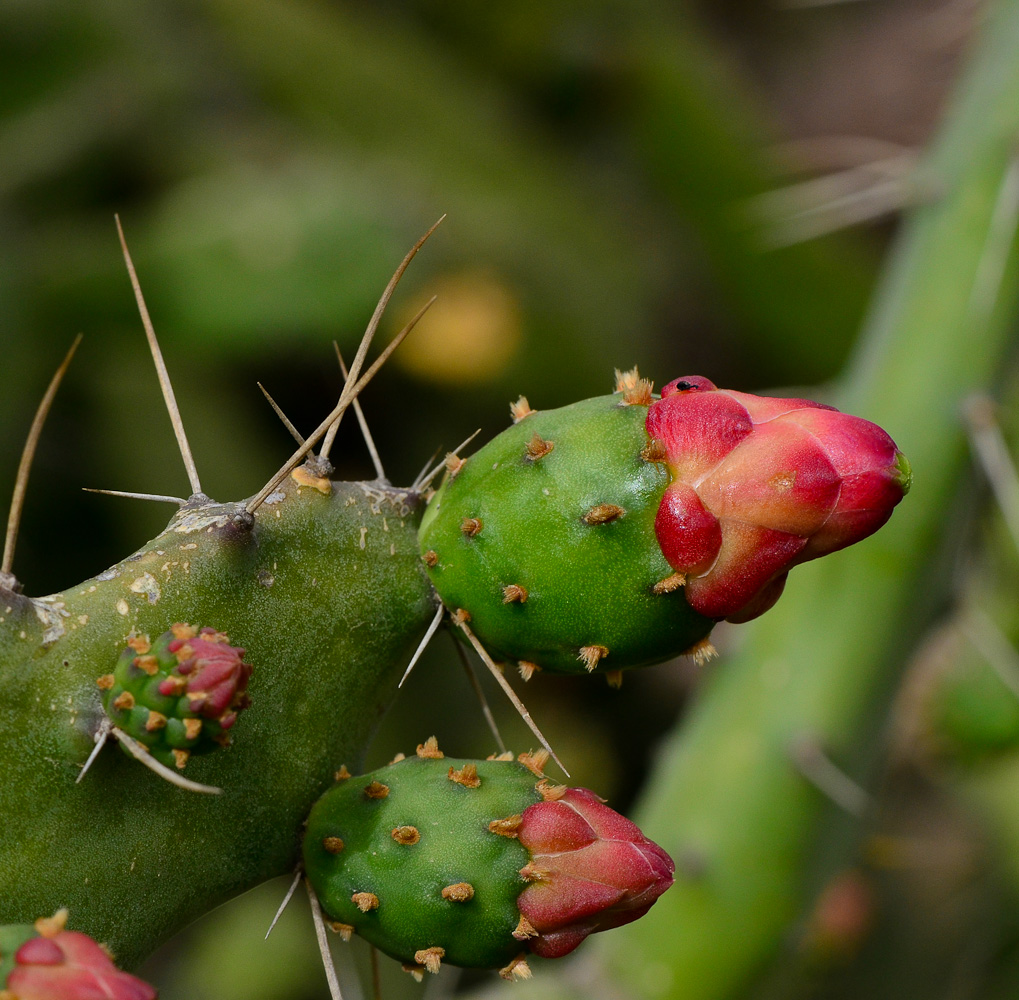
<point>598,871</point>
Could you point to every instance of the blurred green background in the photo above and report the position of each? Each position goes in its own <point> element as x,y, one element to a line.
<point>691,187</point>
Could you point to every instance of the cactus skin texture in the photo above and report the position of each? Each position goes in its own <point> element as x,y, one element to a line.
<point>324,589</point>
<point>589,583</point>
<point>178,695</point>
<point>615,532</point>
<point>472,862</point>
<point>46,962</point>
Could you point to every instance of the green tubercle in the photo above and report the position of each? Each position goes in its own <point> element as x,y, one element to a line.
<point>405,857</point>
<point>546,538</point>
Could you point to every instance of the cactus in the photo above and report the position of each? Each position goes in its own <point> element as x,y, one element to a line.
<point>474,862</point>
<point>615,532</point>
<point>178,695</point>
<point>44,961</point>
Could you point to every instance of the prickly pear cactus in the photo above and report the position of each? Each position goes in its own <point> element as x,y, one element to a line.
<point>322,586</point>
<point>615,532</point>
<point>475,862</point>
<point>178,695</point>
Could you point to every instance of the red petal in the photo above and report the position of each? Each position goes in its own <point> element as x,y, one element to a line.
<point>39,951</point>
<point>778,478</point>
<point>552,827</point>
<point>563,899</point>
<point>765,408</point>
<point>605,821</point>
<point>688,534</point>
<point>698,429</point>
<point>749,558</point>
<point>852,444</point>
<point>555,944</point>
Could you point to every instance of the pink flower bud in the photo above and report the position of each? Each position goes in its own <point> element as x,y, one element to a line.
<point>592,868</point>
<point>216,672</point>
<point>760,485</point>
<point>70,966</point>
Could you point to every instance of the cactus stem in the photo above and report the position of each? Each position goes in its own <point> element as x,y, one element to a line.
<point>517,969</point>
<point>827,777</point>
<point>163,374</point>
<point>527,669</point>
<point>123,701</point>
<point>590,656</point>
<point>141,753</point>
<point>670,583</point>
<point>424,478</point>
<point>603,513</point>
<point>479,693</point>
<point>423,644</point>
<point>701,652</point>
<point>524,929</point>
<point>513,592</point>
<point>520,409</point>
<point>537,448</point>
<point>334,845</point>
<point>614,678</point>
<point>7,579</point>
<point>101,736</point>
<point>294,432</point>
<point>369,441</point>
<point>430,558</point>
<point>626,380</point>
<point>430,958</point>
<point>459,892</point>
<point>466,776</point>
<point>286,899</point>
<point>506,827</point>
<point>429,750</point>
<point>323,944</point>
<point>376,790</point>
<point>470,526</point>
<point>408,836</point>
<point>510,693</point>
<point>365,901</point>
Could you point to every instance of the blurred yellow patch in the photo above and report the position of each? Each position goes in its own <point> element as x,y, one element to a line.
<point>469,335</point>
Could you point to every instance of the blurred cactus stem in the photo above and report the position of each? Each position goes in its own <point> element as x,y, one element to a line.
<point>726,795</point>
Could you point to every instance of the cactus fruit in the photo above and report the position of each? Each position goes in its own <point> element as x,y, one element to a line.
<point>473,862</point>
<point>615,532</point>
<point>46,962</point>
<point>179,694</point>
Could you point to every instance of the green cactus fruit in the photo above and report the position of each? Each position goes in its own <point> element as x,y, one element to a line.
<point>615,532</point>
<point>178,695</point>
<point>546,538</point>
<point>473,862</point>
<point>46,962</point>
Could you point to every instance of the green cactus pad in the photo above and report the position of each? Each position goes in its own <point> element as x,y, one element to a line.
<point>572,528</point>
<point>394,839</point>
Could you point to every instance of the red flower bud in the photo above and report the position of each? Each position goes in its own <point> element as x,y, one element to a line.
<point>592,868</point>
<point>760,485</point>
<point>217,675</point>
<point>70,966</point>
